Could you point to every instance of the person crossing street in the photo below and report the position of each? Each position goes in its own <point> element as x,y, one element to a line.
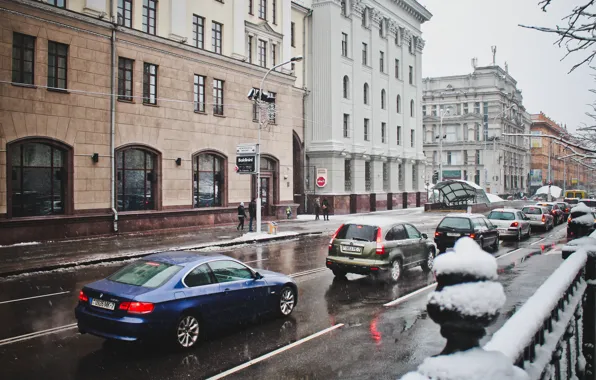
<point>241,216</point>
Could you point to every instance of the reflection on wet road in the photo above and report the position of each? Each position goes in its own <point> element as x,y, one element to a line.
<point>375,341</point>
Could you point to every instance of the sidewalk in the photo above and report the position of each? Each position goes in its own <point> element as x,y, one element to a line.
<point>32,257</point>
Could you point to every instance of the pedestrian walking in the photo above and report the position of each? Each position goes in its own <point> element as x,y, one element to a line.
<point>325,207</point>
<point>252,213</point>
<point>241,216</point>
<point>288,212</point>
<point>317,208</point>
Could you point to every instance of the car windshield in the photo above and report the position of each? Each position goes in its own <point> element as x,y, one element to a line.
<point>501,215</point>
<point>359,232</point>
<point>532,210</point>
<point>455,223</point>
<point>148,274</point>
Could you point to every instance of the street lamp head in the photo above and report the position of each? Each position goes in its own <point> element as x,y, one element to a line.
<point>297,58</point>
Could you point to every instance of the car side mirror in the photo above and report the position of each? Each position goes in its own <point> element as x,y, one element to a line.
<point>258,276</point>
<point>424,236</point>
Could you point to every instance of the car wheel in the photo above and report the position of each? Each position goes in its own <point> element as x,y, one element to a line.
<point>529,232</point>
<point>287,301</point>
<point>495,246</point>
<point>427,266</point>
<point>339,274</point>
<point>187,331</point>
<point>519,235</point>
<point>395,270</point>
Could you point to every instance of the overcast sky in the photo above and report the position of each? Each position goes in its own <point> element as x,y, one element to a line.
<point>462,29</point>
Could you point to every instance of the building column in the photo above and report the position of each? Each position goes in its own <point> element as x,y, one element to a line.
<point>286,46</point>
<point>394,177</point>
<point>238,46</point>
<point>408,175</point>
<point>178,20</point>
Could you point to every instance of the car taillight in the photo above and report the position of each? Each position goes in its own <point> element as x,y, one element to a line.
<point>83,297</point>
<point>333,237</point>
<point>437,234</point>
<point>514,224</point>
<point>473,236</point>
<point>569,220</point>
<point>543,218</point>
<point>380,246</point>
<point>137,307</point>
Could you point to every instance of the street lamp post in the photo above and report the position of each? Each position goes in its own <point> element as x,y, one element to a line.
<point>442,113</point>
<point>257,101</point>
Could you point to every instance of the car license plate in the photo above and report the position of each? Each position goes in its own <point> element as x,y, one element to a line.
<point>351,249</point>
<point>103,304</point>
<point>502,230</point>
<point>453,234</point>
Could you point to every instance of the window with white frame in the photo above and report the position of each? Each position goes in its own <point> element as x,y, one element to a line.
<point>346,126</point>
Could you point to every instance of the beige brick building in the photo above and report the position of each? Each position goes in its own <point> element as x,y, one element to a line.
<point>75,87</point>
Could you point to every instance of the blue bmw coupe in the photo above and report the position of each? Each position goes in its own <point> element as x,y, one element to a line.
<point>171,295</point>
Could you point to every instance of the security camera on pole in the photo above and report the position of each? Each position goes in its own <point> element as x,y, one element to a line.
<point>260,98</point>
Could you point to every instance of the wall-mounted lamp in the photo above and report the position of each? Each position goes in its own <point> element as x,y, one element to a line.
<point>285,176</point>
<point>178,161</point>
<point>95,157</point>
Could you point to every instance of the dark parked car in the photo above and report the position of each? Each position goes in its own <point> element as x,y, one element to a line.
<point>581,221</point>
<point>476,226</point>
<point>379,246</point>
<point>554,210</point>
<point>173,296</point>
<point>565,208</point>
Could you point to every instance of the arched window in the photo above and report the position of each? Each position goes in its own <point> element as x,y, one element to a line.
<point>136,180</point>
<point>208,180</point>
<point>365,93</point>
<point>39,183</point>
<point>383,99</point>
<point>398,104</point>
<point>346,85</point>
<point>412,108</point>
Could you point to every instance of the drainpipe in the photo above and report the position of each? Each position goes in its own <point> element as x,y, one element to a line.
<point>113,120</point>
<point>304,167</point>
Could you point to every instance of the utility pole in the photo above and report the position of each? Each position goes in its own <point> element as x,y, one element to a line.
<point>550,148</point>
<point>564,175</point>
<point>442,113</point>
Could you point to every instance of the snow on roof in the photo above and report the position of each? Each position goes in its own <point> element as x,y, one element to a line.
<point>555,191</point>
<point>586,220</point>
<point>494,198</point>
<point>581,207</point>
<point>467,258</point>
<point>472,364</point>
<point>472,298</point>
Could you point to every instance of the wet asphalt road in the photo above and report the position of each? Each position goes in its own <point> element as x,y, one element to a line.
<point>374,342</point>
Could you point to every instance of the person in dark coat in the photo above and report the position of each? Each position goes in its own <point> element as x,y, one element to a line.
<point>252,213</point>
<point>241,216</point>
<point>317,208</point>
<point>325,207</point>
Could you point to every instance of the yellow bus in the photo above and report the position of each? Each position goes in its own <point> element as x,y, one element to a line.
<point>574,195</point>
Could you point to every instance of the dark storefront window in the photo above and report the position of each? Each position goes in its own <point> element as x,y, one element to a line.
<point>208,180</point>
<point>38,179</point>
<point>136,179</point>
<point>23,53</point>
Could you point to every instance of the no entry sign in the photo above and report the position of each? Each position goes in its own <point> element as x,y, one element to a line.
<point>321,177</point>
<point>321,181</point>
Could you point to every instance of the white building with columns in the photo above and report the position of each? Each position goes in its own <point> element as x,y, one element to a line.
<point>364,104</point>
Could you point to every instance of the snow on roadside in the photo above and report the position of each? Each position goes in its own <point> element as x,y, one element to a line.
<point>21,244</point>
<point>467,258</point>
<point>581,207</point>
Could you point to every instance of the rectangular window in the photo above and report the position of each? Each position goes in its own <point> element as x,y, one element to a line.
<point>382,62</point>
<point>274,9</point>
<point>263,9</point>
<point>465,108</point>
<point>364,54</point>
<point>434,110</point>
<point>273,55</point>
<point>398,135</point>
<point>344,44</point>
<point>383,133</point>
<point>397,68</point>
<point>272,108</point>
<point>149,8</point>
<point>366,129</point>
<point>249,48</point>
<point>465,159</point>
<point>485,119</point>
<point>412,135</point>
<point>250,7</point>
<point>57,3</point>
<point>125,13</point>
<point>149,83</point>
<point>125,79</point>
<point>262,53</point>
<point>411,75</point>
<point>348,175</point>
<point>23,54</point>
<point>367,176</point>
<point>292,34</point>
<point>218,97</point>
<point>423,110</point>
<point>346,125</point>
<point>199,93</point>
<point>477,107</point>
<point>216,32</point>
<point>477,131</point>
<point>57,62</point>
<point>198,31</point>
<point>449,162</point>
<point>458,109</point>
<point>477,157</point>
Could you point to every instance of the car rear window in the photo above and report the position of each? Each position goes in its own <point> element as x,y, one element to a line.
<point>359,232</point>
<point>572,201</point>
<point>577,214</point>
<point>501,215</point>
<point>589,203</point>
<point>148,274</point>
<point>456,223</point>
<point>550,207</point>
<point>532,210</point>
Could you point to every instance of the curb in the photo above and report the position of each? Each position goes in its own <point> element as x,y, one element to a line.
<point>115,259</point>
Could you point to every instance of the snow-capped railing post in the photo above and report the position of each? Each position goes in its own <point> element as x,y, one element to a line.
<point>589,316</point>
<point>467,300</point>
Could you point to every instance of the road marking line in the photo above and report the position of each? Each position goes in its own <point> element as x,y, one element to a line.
<point>407,296</point>
<point>273,353</point>
<point>538,241</point>
<point>37,334</point>
<point>508,253</point>
<point>307,272</point>
<point>30,298</point>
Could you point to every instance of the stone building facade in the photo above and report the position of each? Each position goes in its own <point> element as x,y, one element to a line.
<point>477,109</point>
<point>363,110</point>
<point>163,92</point>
